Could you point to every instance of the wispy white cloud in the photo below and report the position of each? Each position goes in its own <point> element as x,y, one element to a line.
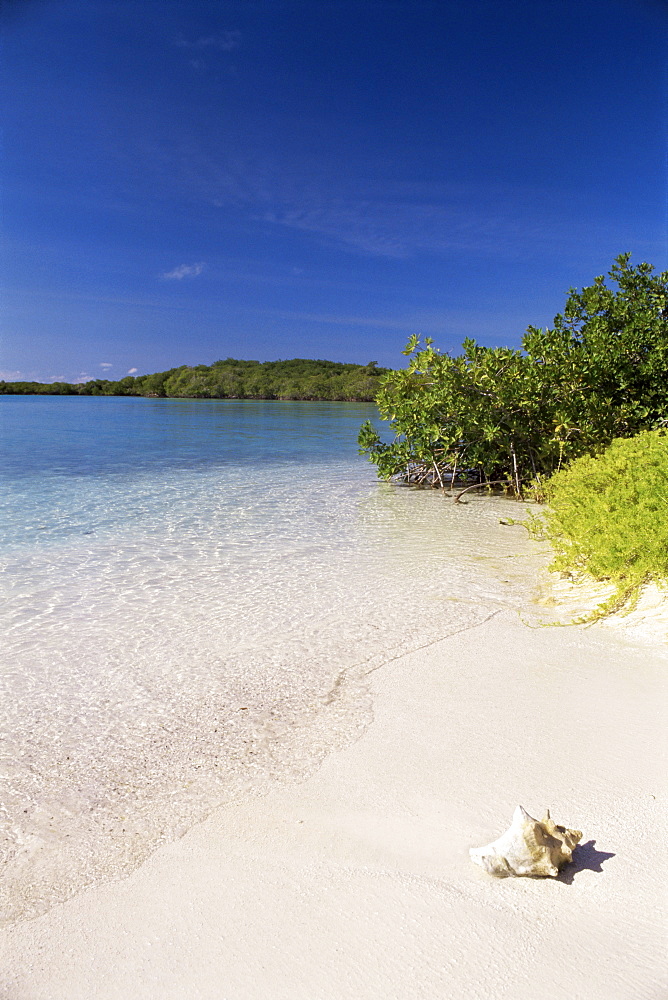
<point>356,225</point>
<point>400,225</point>
<point>398,219</point>
<point>131,371</point>
<point>384,219</point>
<point>105,364</point>
<point>449,326</point>
<point>184,271</point>
<point>337,319</point>
<point>7,376</point>
<point>226,41</point>
<point>395,220</point>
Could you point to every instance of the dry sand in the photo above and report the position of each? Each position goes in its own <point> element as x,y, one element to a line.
<point>357,882</point>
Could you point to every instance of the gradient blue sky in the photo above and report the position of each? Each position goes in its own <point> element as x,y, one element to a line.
<point>187,180</point>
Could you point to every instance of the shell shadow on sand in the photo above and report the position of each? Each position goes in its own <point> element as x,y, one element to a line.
<point>585,858</point>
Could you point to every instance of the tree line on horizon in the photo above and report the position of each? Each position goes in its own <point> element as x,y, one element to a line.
<point>296,379</point>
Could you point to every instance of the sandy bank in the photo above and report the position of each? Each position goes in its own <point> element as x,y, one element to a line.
<point>577,597</point>
<point>357,882</point>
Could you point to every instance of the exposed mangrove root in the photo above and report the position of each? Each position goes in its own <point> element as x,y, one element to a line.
<point>447,477</point>
<point>475,486</point>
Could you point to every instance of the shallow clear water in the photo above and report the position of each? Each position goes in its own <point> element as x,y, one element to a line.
<point>192,594</point>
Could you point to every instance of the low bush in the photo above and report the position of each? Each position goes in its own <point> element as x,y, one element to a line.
<point>608,516</point>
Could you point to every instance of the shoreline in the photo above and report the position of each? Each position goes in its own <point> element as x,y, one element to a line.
<point>158,710</point>
<point>356,882</point>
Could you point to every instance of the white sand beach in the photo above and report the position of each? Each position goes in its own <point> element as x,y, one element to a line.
<point>356,883</point>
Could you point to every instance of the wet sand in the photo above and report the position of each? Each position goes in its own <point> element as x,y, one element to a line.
<point>356,882</point>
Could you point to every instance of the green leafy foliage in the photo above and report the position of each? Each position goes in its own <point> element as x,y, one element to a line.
<point>37,389</point>
<point>517,416</point>
<point>607,515</point>
<point>300,378</point>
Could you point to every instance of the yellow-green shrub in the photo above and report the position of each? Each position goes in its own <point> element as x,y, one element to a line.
<point>608,515</point>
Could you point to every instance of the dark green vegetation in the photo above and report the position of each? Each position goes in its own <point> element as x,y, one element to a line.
<point>608,516</point>
<point>517,417</point>
<point>230,379</point>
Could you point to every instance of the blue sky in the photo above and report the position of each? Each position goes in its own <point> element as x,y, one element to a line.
<point>187,180</point>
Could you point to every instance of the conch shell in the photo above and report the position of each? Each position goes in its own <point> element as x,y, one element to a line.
<point>529,847</point>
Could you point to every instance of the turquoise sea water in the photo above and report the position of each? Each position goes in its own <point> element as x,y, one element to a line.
<point>192,594</point>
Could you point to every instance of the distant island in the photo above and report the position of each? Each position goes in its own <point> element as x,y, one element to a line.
<point>300,378</point>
